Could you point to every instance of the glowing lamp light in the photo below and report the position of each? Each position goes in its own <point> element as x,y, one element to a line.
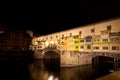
<point>51,77</point>
<point>46,43</point>
<point>51,42</point>
<point>35,43</point>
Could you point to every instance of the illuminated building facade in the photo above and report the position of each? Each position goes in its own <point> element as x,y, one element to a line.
<point>102,36</point>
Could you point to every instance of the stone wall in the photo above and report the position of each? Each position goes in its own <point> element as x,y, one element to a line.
<point>73,58</point>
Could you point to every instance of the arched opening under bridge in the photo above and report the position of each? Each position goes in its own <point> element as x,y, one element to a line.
<point>51,55</point>
<point>51,60</point>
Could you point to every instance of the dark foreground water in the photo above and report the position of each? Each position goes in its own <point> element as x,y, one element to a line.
<point>28,69</point>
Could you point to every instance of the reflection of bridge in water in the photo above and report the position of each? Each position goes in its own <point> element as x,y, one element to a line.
<point>72,58</point>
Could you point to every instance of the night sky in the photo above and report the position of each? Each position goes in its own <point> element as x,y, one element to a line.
<point>56,16</point>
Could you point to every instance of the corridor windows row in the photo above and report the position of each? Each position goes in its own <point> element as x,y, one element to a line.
<point>108,28</point>
<point>115,39</point>
<point>106,48</point>
<point>94,48</point>
<point>87,40</point>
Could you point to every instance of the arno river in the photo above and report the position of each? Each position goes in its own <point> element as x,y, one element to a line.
<point>16,68</point>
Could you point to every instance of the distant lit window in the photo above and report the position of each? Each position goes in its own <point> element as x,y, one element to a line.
<point>76,47</point>
<point>88,47</point>
<point>88,40</point>
<point>115,47</point>
<point>105,40</point>
<point>76,41</point>
<point>76,37</point>
<point>105,47</point>
<point>96,48</point>
<point>115,39</point>
<point>81,47</point>
<point>94,40</point>
<point>111,39</point>
<point>81,40</point>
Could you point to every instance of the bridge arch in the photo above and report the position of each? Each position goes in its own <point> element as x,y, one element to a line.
<point>51,53</point>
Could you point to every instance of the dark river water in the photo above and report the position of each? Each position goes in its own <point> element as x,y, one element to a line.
<point>28,69</point>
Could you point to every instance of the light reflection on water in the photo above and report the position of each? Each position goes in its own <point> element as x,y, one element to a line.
<point>19,69</point>
<point>47,70</point>
<point>44,70</point>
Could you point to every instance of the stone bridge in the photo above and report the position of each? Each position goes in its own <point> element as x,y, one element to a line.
<point>72,58</point>
<point>47,53</point>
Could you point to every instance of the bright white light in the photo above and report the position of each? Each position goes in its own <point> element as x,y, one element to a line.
<point>51,77</point>
<point>35,43</point>
<point>46,43</point>
<point>51,42</point>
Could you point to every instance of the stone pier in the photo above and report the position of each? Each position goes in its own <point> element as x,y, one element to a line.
<point>74,58</point>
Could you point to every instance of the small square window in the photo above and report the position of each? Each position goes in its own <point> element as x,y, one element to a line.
<point>109,27</point>
<point>92,30</point>
<point>80,32</point>
<point>70,34</point>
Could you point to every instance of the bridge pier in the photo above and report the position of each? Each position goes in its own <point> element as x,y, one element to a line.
<point>74,58</point>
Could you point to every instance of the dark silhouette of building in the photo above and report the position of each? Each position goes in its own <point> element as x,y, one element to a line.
<point>14,40</point>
